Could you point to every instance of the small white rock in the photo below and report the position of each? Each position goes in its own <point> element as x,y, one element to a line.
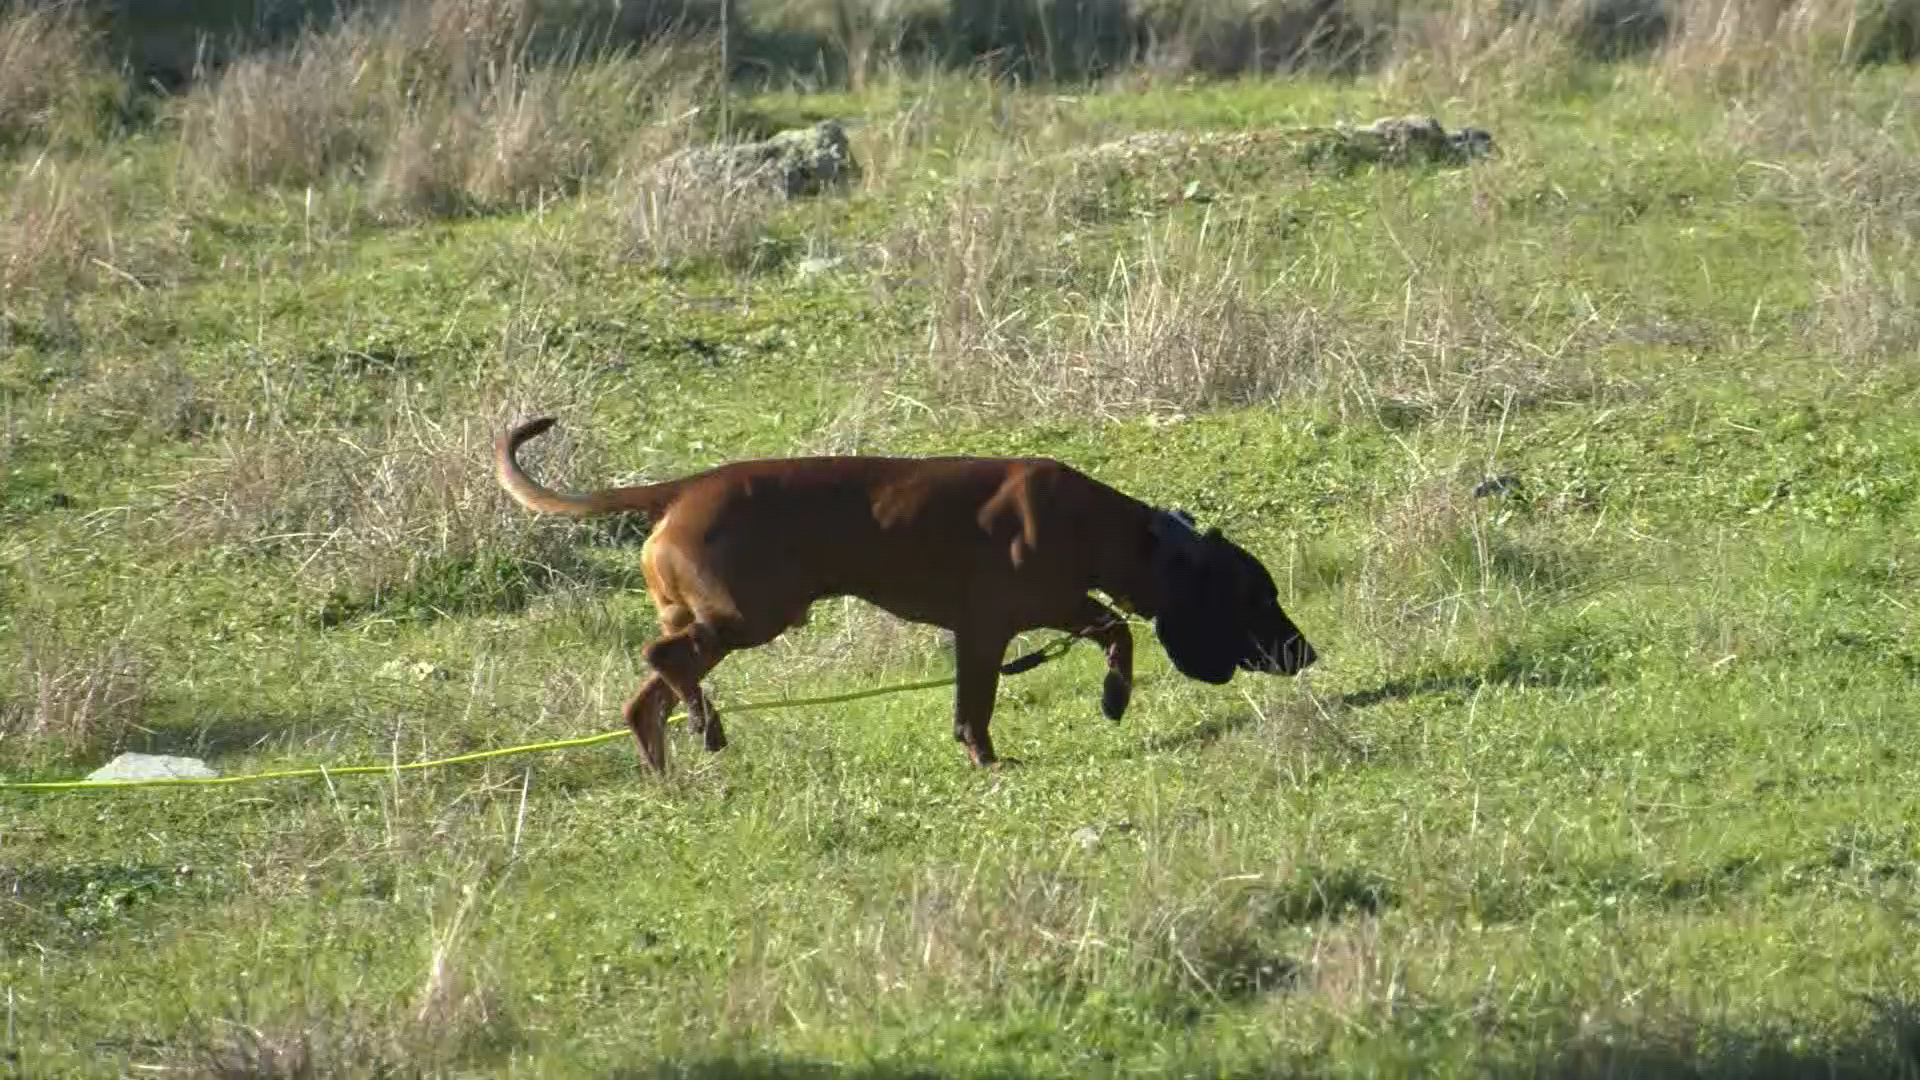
<point>153,767</point>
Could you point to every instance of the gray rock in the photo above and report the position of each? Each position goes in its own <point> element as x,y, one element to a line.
<point>1401,140</point>
<point>1390,140</point>
<point>1408,137</point>
<point>153,767</point>
<point>792,163</point>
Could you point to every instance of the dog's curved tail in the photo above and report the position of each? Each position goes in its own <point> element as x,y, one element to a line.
<point>648,500</point>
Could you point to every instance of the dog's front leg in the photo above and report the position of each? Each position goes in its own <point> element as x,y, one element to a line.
<point>1116,638</point>
<point>1107,628</point>
<point>977,658</point>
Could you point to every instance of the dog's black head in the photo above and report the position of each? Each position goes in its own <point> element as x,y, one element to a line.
<point>1222,611</point>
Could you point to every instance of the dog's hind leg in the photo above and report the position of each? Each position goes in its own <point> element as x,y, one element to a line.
<point>702,720</point>
<point>976,677</point>
<point>646,714</point>
<point>682,658</point>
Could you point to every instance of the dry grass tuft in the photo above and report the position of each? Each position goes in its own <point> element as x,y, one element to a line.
<point>455,1017</point>
<point>1434,516</point>
<point>55,81</point>
<point>1204,927</point>
<point>1447,549</point>
<point>1749,45</point>
<point>55,222</point>
<point>360,514</point>
<point>460,39</point>
<point>1477,47</point>
<point>289,118</point>
<point>978,252</point>
<point>66,226</point>
<point>73,691</point>
<point>1192,312</point>
<point>671,219</point>
<point>1457,355</point>
<point>853,636</point>
<point>1176,321</point>
<point>1868,307</point>
<point>1612,29</point>
<point>405,512</point>
<point>1474,45</point>
<point>1481,49</point>
<point>456,1010</point>
<point>1230,38</point>
<point>1353,973</point>
<point>1837,152</point>
<point>444,106</point>
<point>326,1046</point>
<point>1176,325</point>
<point>863,35</point>
<point>150,394</point>
<point>954,937</point>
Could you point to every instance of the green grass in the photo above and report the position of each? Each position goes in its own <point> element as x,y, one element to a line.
<point>1612,774</point>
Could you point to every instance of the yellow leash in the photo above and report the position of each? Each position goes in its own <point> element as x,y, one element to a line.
<point>1031,660</point>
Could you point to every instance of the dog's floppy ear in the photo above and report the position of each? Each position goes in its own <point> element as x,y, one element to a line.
<point>1199,646</point>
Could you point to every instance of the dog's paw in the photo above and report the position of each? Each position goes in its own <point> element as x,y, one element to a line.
<point>1115,692</point>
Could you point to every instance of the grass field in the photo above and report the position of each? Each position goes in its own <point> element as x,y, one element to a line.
<point>1611,768</point>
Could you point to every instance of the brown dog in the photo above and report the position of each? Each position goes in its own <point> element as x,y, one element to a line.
<point>984,547</point>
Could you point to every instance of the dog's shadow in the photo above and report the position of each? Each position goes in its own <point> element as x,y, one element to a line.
<point>1413,686</point>
<point>1883,1044</point>
<point>1402,688</point>
<point>778,1068</point>
<point>1205,733</point>
<point>218,732</point>
<point>1468,683</point>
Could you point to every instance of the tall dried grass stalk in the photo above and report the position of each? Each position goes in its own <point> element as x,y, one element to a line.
<point>443,105</point>
<point>53,221</point>
<point>55,79</point>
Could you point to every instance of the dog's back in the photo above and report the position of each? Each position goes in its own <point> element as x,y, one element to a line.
<point>919,537</point>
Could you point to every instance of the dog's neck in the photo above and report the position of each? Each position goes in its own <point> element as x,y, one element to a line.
<point>1173,526</point>
<point>1134,583</point>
